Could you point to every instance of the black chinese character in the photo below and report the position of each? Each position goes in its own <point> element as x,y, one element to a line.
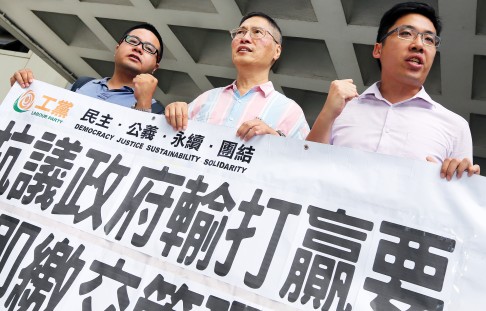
<point>91,116</point>
<point>53,271</point>
<point>324,276</point>
<point>183,213</point>
<point>211,238</point>
<point>6,133</point>
<point>250,208</point>
<point>115,273</point>
<point>202,234</point>
<point>202,231</point>
<point>69,203</point>
<point>194,141</point>
<point>412,261</point>
<point>178,139</point>
<point>163,289</point>
<point>49,175</point>
<point>135,128</point>
<point>105,120</point>
<point>244,154</point>
<point>285,209</point>
<point>8,242</point>
<point>134,199</point>
<point>227,149</point>
<point>159,286</point>
<point>149,132</point>
<point>12,153</point>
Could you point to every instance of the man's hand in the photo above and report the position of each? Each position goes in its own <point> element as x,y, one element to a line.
<point>340,93</point>
<point>457,166</point>
<point>176,115</point>
<point>24,77</point>
<point>144,88</point>
<point>254,127</point>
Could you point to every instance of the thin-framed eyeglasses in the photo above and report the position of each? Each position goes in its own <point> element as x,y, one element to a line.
<point>146,46</point>
<point>410,34</point>
<point>255,33</point>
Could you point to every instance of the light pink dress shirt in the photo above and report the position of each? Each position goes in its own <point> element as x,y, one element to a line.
<point>415,128</point>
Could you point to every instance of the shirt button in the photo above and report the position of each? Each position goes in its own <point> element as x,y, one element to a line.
<point>387,131</point>
<point>231,119</point>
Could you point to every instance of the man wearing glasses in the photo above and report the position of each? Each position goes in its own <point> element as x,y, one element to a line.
<point>395,115</point>
<point>137,56</point>
<point>250,103</point>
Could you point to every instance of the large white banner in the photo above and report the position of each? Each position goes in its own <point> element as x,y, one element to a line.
<point>107,208</point>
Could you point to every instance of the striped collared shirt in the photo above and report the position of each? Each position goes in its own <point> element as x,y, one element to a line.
<point>225,106</point>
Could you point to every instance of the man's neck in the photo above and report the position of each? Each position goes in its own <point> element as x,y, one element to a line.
<point>397,92</point>
<point>118,81</point>
<point>247,80</point>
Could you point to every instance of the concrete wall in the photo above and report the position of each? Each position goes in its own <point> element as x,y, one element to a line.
<point>13,61</point>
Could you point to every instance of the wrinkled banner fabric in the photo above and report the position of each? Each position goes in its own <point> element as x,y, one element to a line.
<point>108,208</point>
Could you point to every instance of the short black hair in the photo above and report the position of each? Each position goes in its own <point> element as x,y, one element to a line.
<point>150,28</point>
<point>405,8</point>
<point>268,18</point>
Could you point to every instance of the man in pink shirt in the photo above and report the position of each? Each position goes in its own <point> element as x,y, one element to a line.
<point>395,115</point>
<point>250,103</point>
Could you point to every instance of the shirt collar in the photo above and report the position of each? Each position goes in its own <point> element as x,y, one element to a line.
<point>266,88</point>
<point>422,95</point>
<point>104,81</point>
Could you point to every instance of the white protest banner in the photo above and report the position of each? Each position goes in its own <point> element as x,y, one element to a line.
<point>103,207</point>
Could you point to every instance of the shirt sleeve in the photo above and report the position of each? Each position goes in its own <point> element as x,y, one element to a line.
<point>294,123</point>
<point>463,146</point>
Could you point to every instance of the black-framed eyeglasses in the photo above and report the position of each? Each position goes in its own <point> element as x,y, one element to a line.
<point>146,46</point>
<point>255,33</point>
<point>410,34</point>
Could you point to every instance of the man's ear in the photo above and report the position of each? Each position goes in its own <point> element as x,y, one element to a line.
<point>278,51</point>
<point>377,50</point>
<point>155,68</point>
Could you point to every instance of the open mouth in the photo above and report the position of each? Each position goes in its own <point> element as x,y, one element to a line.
<point>416,60</point>
<point>133,56</point>
<point>243,49</point>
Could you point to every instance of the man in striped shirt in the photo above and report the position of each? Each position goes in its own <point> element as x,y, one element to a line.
<point>250,103</point>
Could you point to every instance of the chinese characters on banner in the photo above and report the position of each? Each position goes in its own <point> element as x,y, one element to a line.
<point>270,224</point>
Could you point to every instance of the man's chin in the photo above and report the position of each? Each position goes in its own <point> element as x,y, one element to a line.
<point>243,61</point>
<point>415,82</point>
<point>133,68</point>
